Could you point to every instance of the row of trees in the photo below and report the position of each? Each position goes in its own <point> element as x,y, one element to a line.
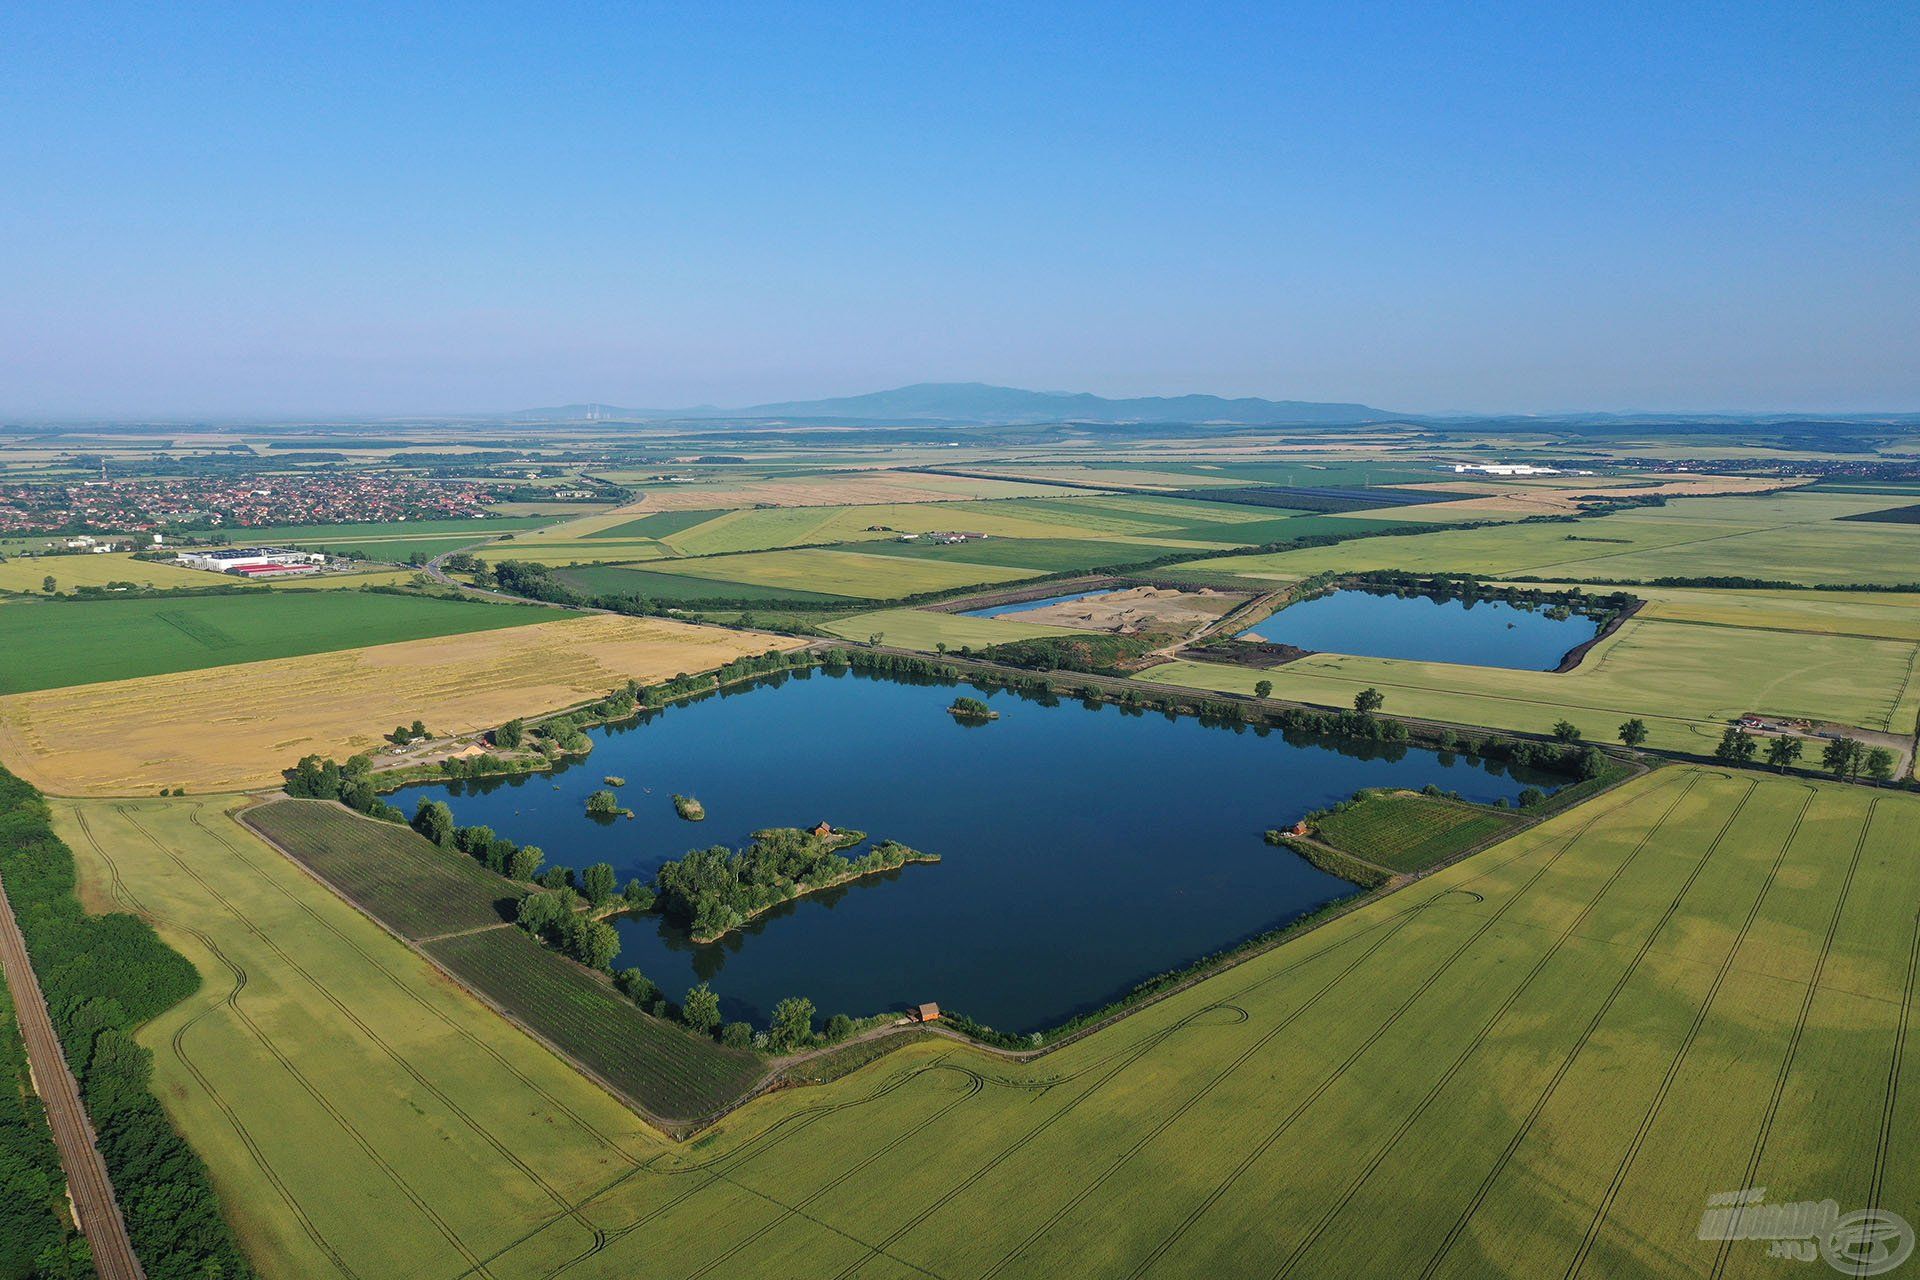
<point>1845,758</point>
<point>103,976</point>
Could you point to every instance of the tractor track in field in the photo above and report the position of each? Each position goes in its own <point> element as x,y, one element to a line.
<point>423,1003</point>
<point>1413,1117</point>
<point>1397,920</point>
<point>1579,1045</point>
<point>773,1136</point>
<point>1877,1184</point>
<point>125,897</point>
<point>373,1037</point>
<point>1799,1028</point>
<point>1652,1116</point>
<point>1274,1135</point>
<point>314,1092</point>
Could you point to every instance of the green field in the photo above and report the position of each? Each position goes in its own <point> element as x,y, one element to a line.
<point>52,645</point>
<point>1798,537</point>
<point>347,537</point>
<point>1405,831</point>
<point>1541,1060</point>
<point>454,908</point>
<point>852,574</point>
<point>655,584</point>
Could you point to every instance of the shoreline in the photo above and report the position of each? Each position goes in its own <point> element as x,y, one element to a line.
<point>835,883</point>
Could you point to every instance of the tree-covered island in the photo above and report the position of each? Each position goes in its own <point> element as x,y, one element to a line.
<point>715,891</point>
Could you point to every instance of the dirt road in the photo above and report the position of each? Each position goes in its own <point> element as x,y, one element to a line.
<point>87,1182</point>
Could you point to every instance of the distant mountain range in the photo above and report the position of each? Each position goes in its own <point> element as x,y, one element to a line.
<point>977,402</point>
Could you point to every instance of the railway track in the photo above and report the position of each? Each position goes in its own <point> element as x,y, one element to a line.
<point>95,1208</point>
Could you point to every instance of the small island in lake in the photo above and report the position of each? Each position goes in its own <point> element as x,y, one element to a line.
<point>972,710</point>
<point>605,804</point>
<point>715,891</point>
<point>689,808</point>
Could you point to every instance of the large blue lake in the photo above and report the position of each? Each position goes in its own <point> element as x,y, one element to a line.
<point>1481,633</point>
<point>1084,850</point>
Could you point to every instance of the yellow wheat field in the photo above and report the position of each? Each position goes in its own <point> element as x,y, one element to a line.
<point>235,727</point>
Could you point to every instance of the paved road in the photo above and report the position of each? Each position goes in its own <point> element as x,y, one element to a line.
<point>87,1181</point>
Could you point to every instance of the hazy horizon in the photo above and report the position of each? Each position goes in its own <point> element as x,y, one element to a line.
<point>230,213</point>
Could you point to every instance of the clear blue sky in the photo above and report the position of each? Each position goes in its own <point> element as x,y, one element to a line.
<point>329,209</point>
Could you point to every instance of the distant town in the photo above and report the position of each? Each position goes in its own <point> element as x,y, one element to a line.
<point>141,506</point>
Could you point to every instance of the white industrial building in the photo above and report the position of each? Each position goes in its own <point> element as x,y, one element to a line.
<point>253,562</point>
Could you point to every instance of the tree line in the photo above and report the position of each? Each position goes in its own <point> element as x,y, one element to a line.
<point>104,976</point>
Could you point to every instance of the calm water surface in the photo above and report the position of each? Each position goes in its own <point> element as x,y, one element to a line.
<point>1481,633</point>
<point>1083,850</point>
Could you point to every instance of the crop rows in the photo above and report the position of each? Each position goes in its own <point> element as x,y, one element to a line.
<point>396,876</point>
<point>667,1071</point>
<point>1408,832</point>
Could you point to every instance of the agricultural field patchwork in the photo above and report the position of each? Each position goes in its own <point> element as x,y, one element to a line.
<point>455,909</point>
<point>234,727</point>
<point>1544,1059</point>
<point>1686,681</point>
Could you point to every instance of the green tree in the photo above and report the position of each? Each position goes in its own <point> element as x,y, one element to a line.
<point>1783,751</point>
<point>1737,746</point>
<point>792,1024</point>
<point>418,730</point>
<point>434,821</point>
<point>1879,765</point>
<point>597,883</point>
<point>525,862</point>
<point>1263,688</point>
<point>737,1035</point>
<point>603,803</point>
<point>47,584</point>
<point>1566,731</point>
<point>511,734</point>
<point>638,895</point>
<point>1633,732</point>
<point>701,1009</point>
<point>1843,757</point>
<point>1369,700</point>
<point>839,1027</point>
<point>636,986</point>
<point>598,944</point>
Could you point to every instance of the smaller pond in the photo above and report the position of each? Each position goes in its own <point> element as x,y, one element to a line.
<point>1022,606</point>
<point>1479,633</point>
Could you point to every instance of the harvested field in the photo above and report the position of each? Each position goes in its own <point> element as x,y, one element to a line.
<point>237,727</point>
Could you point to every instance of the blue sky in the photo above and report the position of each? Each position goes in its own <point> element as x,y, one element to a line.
<point>331,209</point>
